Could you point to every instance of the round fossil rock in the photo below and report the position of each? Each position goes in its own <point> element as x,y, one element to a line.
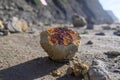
<point>60,43</point>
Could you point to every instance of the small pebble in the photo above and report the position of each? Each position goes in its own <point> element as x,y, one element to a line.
<point>112,53</point>
<point>69,71</point>
<point>116,70</point>
<point>100,33</point>
<point>56,73</point>
<point>89,43</point>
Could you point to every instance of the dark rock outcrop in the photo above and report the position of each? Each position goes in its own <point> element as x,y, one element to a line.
<point>55,11</point>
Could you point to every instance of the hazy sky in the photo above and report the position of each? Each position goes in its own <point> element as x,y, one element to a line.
<point>113,5</point>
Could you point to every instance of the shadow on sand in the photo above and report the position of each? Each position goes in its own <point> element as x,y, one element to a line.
<point>69,77</point>
<point>30,70</point>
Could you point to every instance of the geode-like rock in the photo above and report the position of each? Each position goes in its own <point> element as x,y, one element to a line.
<point>60,43</point>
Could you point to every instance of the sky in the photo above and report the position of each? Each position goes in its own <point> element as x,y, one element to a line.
<point>113,5</point>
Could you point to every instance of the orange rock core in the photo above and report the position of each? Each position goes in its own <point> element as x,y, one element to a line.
<point>62,36</point>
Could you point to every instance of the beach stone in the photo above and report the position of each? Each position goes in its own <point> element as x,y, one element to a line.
<point>59,49</point>
<point>112,53</point>
<point>117,32</point>
<point>17,25</point>
<point>100,33</point>
<point>69,71</point>
<point>89,42</point>
<point>78,21</point>
<point>97,71</point>
<point>80,69</point>
<point>116,71</point>
<point>56,73</point>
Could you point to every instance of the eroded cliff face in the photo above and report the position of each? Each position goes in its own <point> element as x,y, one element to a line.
<point>56,10</point>
<point>90,9</point>
<point>116,20</point>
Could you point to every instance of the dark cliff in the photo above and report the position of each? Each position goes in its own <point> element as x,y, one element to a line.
<point>56,10</point>
<point>116,20</point>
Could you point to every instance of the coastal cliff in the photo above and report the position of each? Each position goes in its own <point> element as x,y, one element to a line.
<point>55,10</point>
